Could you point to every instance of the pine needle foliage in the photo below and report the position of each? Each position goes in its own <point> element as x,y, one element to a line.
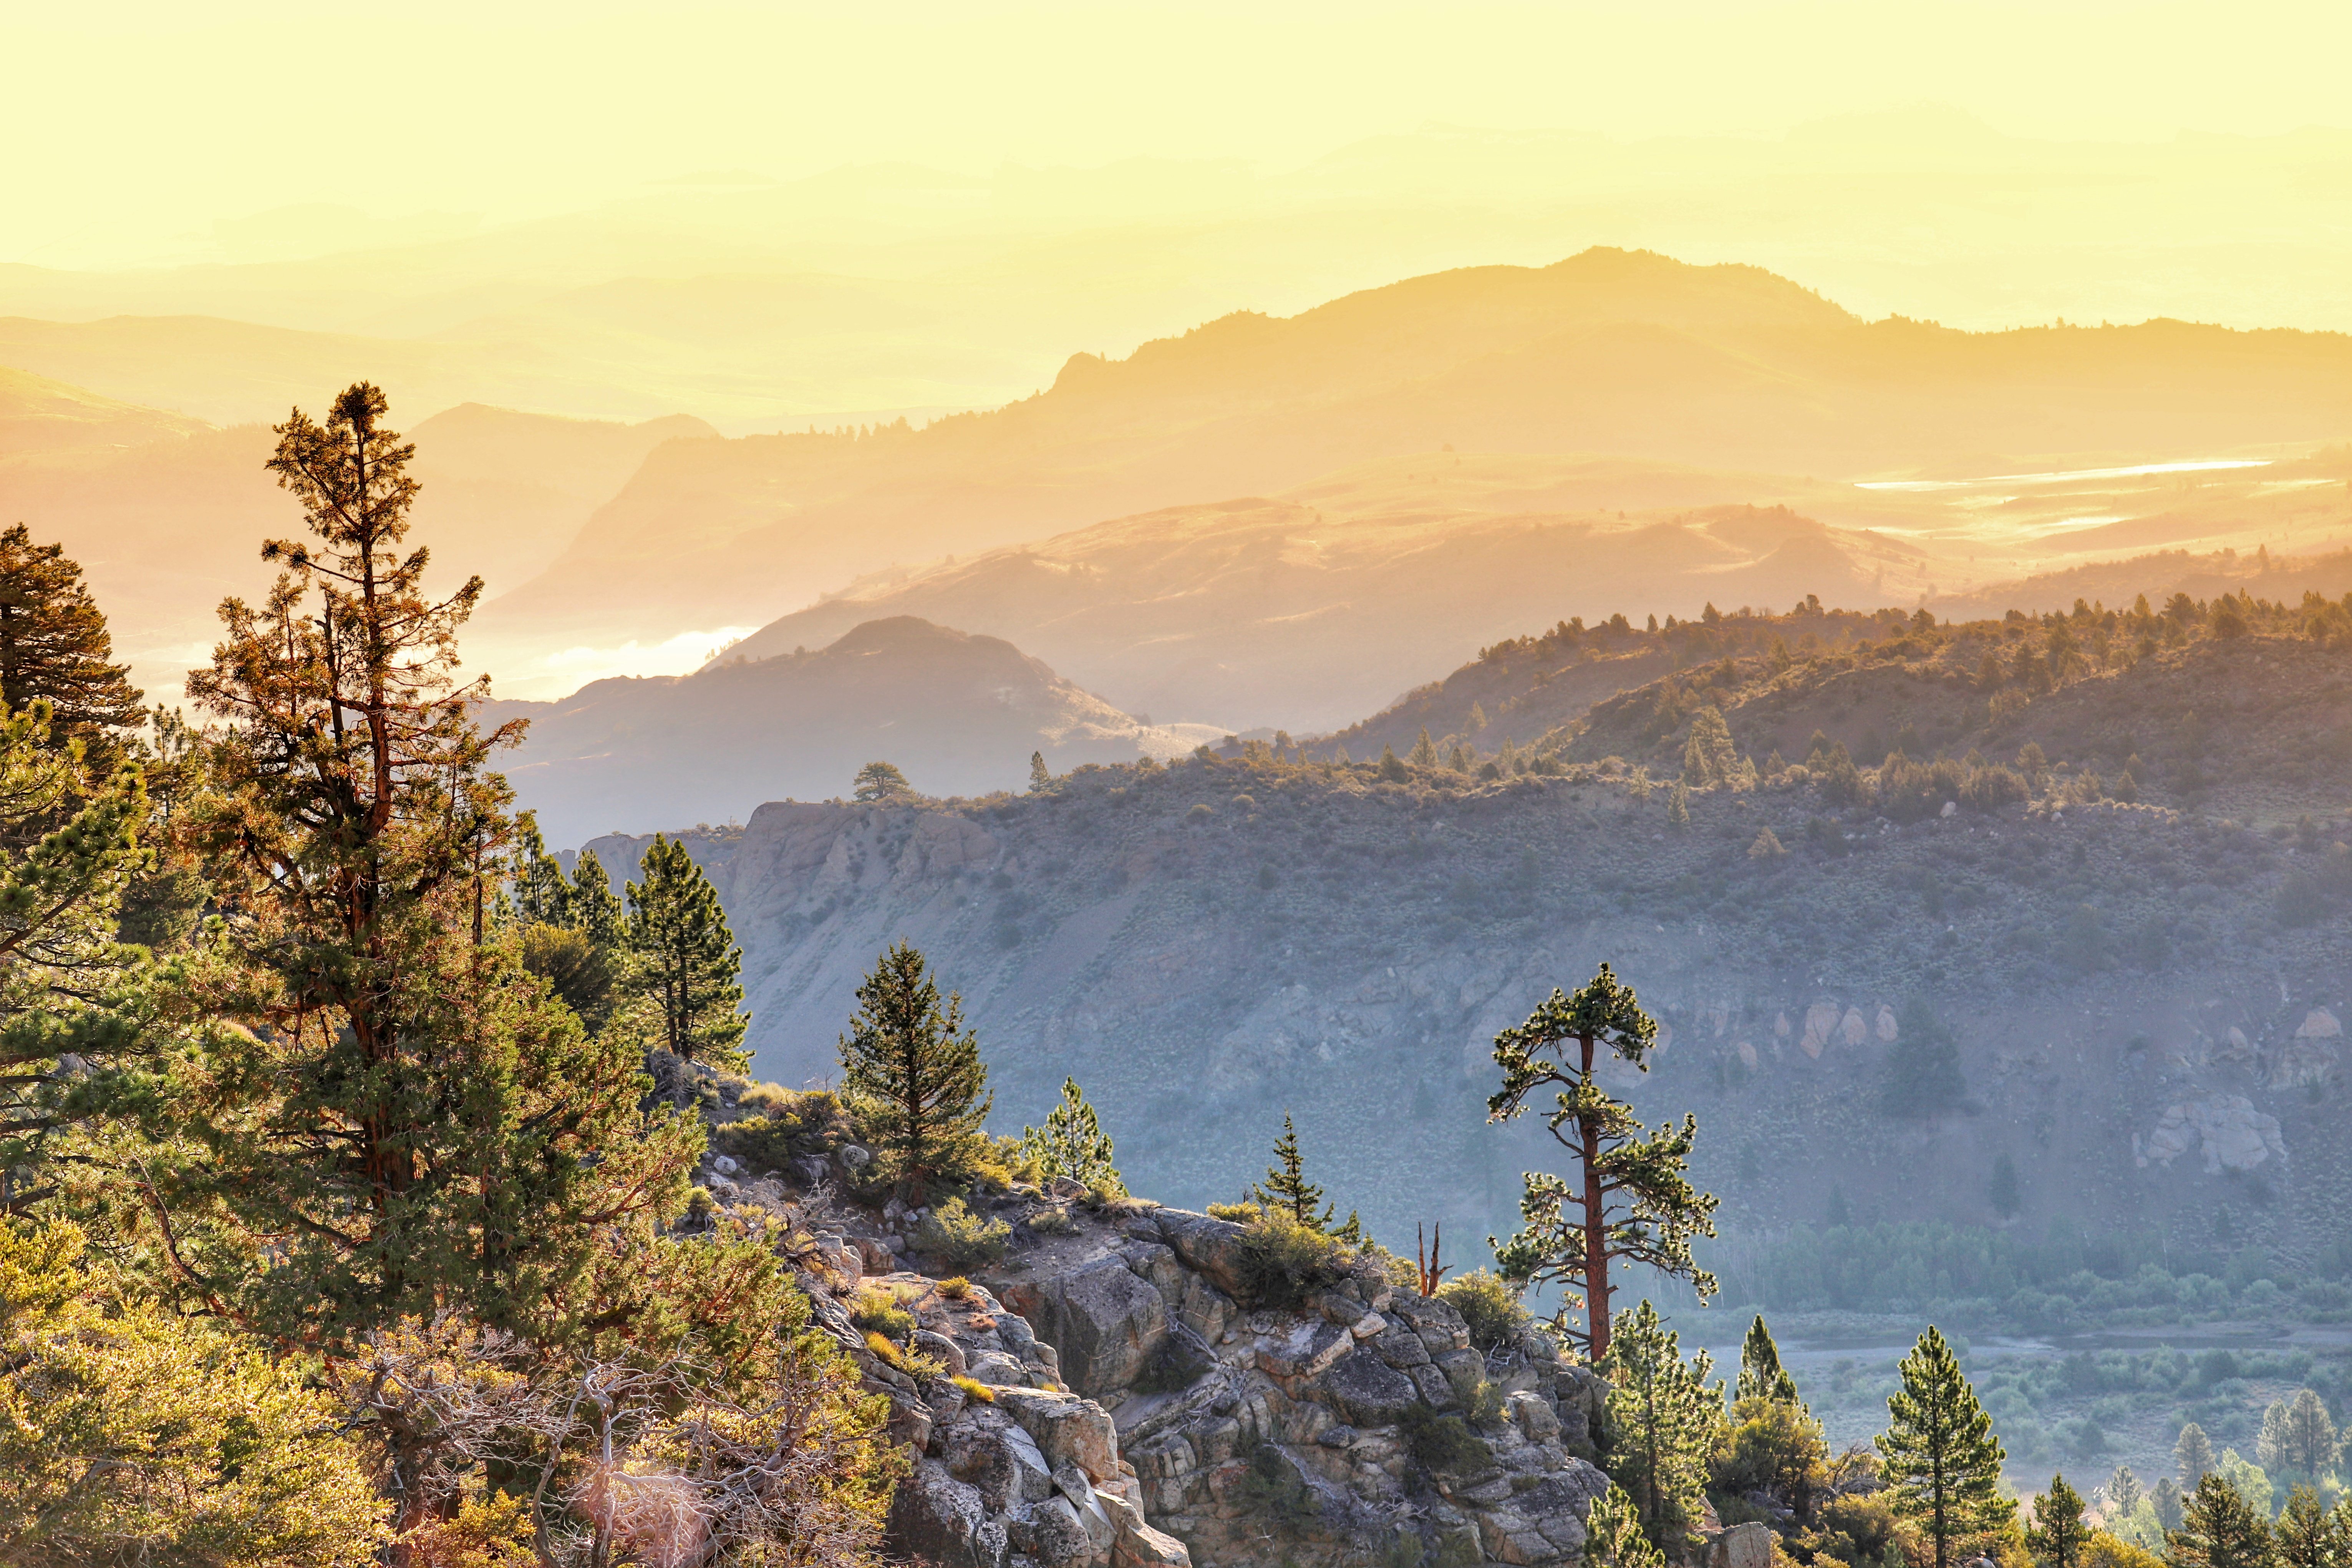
<point>55,648</point>
<point>1627,1195</point>
<point>877,782</point>
<point>911,1074</point>
<point>686,960</point>
<point>1612,1534</point>
<point>1943,1462</point>
<point>1072,1143</point>
<point>2309,1534</point>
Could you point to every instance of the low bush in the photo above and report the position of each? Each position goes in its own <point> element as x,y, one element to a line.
<point>1490,1306</point>
<point>785,1126</point>
<point>954,1233</point>
<point>1236,1214</point>
<point>1444,1443</point>
<point>1053,1219</point>
<point>1282,1262</point>
<point>876,1311</point>
<point>973,1389</point>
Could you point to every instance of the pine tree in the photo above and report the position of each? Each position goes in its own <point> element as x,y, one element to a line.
<point>1678,805</point>
<point>1943,1462</point>
<point>375,1112</point>
<point>543,894</point>
<point>2220,1530</point>
<point>61,974</point>
<point>1425,753</point>
<point>686,960</point>
<point>1666,1416</point>
<point>1072,1143</point>
<point>2123,1490</point>
<point>1761,1375</point>
<point>2192,1456</point>
<point>2308,1535</point>
<point>2297,1438</point>
<point>55,647</point>
<point>1612,1534</point>
<point>879,781</point>
<point>1923,1069</point>
<point>1287,1191</point>
<point>1632,1198</point>
<point>596,910</point>
<point>1041,777</point>
<point>1710,757</point>
<point>1392,766</point>
<point>2057,1535</point>
<point>912,1075</point>
<point>2002,1191</point>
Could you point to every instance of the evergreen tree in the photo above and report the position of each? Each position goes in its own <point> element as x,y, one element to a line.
<point>1678,805</point>
<point>1665,1416</point>
<point>2056,1535</point>
<point>1943,1462</point>
<point>1287,1191</point>
<point>55,648</point>
<point>2297,1438</point>
<point>2123,1490</point>
<point>1041,777</point>
<point>879,782</point>
<point>1710,757</point>
<point>2165,1497</point>
<point>1628,1196</point>
<point>2309,1535</point>
<point>1923,1069</point>
<point>2192,1456</point>
<point>2218,1529</point>
<point>1392,766</point>
<point>543,894</point>
<point>596,912</point>
<point>374,1111</point>
<point>66,858</point>
<point>1072,1143</point>
<point>1761,1375</point>
<point>1425,753</point>
<point>686,960</point>
<point>912,1075</point>
<point>2002,1190</point>
<point>1612,1534</point>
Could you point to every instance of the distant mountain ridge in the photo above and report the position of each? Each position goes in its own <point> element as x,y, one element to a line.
<point>1608,352</point>
<point>959,714</point>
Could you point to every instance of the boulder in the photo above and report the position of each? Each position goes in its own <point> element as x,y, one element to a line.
<point>1105,1323</point>
<point>1144,1547</point>
<point>1748,1546</point>
<point>1053,1532</point>
<point>1368,1391</point>
<point>1211,1246</point>
<point>935,1518</point>
<point>1067,1428</point>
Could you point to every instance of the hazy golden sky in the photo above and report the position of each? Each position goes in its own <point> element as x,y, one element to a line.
<point>133,126</point>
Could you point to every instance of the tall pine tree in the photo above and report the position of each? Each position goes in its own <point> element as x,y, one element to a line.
<point>2057,1534</point>
<point>1943,1462</point>
<point>2310,1535</point>
<point>596,911</point>
<point>374,1111</point>
<point>1666,1416</point>
<point>912,1075</point>
<point>1628,1196</point>
<point>686,960</point>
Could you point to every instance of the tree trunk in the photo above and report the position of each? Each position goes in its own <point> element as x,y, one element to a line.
<point>1596,1234</point>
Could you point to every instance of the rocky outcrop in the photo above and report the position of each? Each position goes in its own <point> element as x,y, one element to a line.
<point>1107,1396</point>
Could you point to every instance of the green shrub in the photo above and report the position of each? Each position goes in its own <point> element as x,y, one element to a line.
<point>1490,1307</point>
<point>955,1288</point>
<point>1283,1260</point>
<point>1236,1214</point>
<point>974,1389</point>
<point>1053,1219</point>
<point>876,1311</point>
<point>787,1126</point>
<point>1444,1443</point>
<point>954,1233</point>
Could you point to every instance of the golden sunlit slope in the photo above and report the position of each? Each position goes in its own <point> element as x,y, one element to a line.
<point>37,414</point>
<point>167,527</point>
<point>1609,352</point>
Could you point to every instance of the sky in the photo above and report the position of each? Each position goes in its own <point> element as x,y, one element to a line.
<point>137,125</point>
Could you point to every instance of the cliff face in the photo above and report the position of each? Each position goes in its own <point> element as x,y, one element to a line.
<point>1208,945</point>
